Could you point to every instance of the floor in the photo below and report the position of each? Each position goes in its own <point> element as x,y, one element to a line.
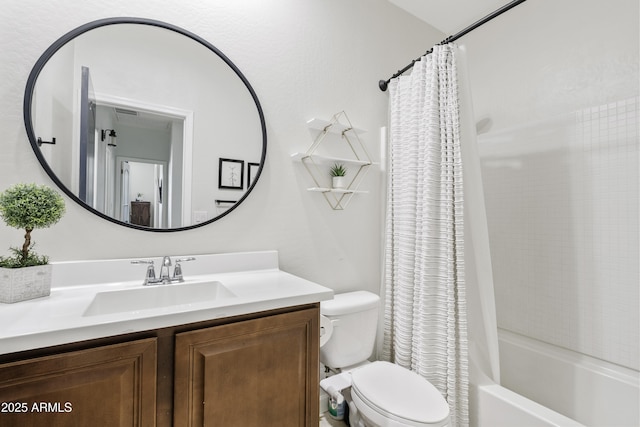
<point>327,421</point>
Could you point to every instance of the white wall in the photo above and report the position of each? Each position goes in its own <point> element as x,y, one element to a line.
<point>304,59</point>
<point>53,112</point>
<point>559,80</point>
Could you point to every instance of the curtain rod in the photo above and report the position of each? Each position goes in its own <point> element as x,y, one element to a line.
<point>382,84</point>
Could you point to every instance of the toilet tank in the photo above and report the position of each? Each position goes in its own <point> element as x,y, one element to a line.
<point>354,317</point>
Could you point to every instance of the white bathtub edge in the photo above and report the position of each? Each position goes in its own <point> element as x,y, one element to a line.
<point>586,389</point>
<point>497,406</point>
<point>602,367</point>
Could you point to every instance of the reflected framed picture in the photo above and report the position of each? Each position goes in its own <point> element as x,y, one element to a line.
<point>231,174</point>
<point>252,171</point>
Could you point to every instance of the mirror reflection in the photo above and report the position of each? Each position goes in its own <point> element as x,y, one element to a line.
<point>151,124</point>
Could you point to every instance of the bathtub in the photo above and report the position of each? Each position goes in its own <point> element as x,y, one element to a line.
<point>544,385</point>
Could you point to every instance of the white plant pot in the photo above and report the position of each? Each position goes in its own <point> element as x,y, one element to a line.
<point>20,284</point>
<point>339,182</point>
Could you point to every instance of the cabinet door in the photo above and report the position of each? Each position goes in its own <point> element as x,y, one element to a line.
<point>110,386</point>
<point>261,372</point>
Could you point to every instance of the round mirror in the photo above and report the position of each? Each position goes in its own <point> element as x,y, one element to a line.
<point>145,124</point>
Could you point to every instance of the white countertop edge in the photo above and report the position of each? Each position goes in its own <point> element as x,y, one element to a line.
<point>49,338</point>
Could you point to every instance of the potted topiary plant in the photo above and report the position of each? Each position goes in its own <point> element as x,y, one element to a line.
<point>27,275</point>
<point>338,172</point>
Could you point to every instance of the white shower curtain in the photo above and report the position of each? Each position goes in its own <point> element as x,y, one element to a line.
<point>424,289</point>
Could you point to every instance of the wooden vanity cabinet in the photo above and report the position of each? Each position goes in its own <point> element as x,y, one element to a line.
<point>112,385</point>
<point>257,370</point>
<point>260,372</point>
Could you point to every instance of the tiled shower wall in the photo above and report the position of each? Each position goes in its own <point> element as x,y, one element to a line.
<point>562,202</point>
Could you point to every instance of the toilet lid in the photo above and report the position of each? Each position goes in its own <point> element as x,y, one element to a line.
<point>396,391</point>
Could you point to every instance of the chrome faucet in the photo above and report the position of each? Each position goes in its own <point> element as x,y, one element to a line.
<point>165,278</point>
<point>164,270</point>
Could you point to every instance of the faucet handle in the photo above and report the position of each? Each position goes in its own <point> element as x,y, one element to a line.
<point>177,270</point>
<point>151,272</point>
<point>142,261</point>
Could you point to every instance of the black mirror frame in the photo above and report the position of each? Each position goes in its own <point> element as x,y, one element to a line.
<point>51,50</point>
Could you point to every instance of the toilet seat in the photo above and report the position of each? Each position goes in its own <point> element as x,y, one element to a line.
<point>388,394</point>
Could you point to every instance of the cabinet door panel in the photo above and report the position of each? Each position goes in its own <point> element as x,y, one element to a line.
<point>107,386</point>
<point>261,372</point>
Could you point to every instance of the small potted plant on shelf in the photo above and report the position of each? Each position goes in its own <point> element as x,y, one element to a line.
<point>338,172</point>
<point>27,275</point>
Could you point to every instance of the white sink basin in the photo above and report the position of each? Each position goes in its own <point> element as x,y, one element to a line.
<point>156,296</point>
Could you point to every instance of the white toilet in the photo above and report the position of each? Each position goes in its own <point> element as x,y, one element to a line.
<point>380,393</point>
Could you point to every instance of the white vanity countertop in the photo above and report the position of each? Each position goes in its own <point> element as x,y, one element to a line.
<point>254,278</point>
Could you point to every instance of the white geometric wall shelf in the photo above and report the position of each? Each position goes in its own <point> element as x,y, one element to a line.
<point>336,142</point>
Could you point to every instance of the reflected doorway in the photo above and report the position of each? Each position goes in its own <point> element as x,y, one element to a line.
<point>155,146</point>
<point>142,192</point>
